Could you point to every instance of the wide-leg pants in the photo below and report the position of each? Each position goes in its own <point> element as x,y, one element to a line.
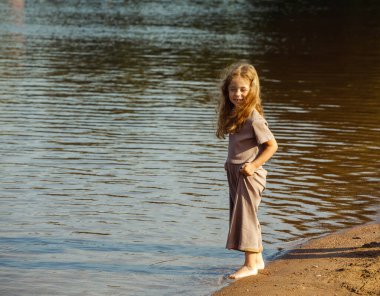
<point>245,196</point>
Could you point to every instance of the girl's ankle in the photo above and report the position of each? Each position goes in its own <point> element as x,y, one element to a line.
<point>250,266</point>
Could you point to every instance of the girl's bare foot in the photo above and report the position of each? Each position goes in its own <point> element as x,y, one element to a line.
<point>243,272</point>
<point>259,261</point>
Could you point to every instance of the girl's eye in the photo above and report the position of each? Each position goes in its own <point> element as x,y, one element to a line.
<point>235,89</point>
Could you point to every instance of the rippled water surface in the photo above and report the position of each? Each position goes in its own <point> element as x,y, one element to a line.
<point>112,181</point>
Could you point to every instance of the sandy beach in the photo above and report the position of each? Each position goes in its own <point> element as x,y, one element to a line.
<point>343,263</point>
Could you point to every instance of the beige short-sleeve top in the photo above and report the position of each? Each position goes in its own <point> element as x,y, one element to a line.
<point>245,144</point>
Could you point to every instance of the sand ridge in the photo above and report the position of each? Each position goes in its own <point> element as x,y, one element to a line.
<point>343,263</point>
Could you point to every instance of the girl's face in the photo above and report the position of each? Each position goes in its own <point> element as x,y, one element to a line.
<point>238,90</point>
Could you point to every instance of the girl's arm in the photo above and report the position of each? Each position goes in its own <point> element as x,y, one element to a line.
<point>270,148</point>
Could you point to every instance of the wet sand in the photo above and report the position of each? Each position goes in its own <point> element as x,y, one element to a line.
<point>343,263</point>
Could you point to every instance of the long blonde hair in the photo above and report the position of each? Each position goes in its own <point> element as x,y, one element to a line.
<point>230,117</point>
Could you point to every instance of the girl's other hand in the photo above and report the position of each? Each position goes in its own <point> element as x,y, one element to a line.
<point>248,169</point>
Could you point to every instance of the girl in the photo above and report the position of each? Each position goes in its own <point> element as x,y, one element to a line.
<point>251,144</point>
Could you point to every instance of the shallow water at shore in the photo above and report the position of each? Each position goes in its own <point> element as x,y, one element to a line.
<point>112,179</point>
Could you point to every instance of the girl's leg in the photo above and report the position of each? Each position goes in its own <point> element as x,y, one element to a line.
<point>249,268</point>
<point>250,259</point>
<point>260,261</point>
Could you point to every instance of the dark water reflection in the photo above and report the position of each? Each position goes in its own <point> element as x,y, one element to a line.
<point>112,180</point>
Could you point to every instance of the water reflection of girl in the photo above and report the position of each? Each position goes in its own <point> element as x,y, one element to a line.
<point>251,144</point>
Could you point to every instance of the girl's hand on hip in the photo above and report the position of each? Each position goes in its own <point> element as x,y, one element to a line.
<point>248,169</point>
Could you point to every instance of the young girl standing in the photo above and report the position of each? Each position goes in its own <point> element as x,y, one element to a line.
<point>251,144</point>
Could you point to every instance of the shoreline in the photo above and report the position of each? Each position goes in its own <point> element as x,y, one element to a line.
<point>346,262</point>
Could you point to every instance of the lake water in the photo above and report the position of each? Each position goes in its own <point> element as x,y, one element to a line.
<point>112,180</point>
